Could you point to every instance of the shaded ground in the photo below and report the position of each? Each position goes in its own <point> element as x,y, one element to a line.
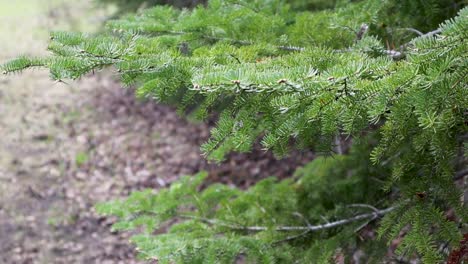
<point>64,147</point>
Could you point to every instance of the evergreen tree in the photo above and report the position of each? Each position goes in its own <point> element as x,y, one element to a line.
<point>391,75</point>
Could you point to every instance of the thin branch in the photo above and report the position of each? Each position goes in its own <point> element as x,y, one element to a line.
<point>412,30</point>
<point>324,219</point>
<point>432,33</point>
<point>289,238</point>
<point>303,218</point>
<point>359,228</point>
<point>309,228</point>
<point>364,206</point>
<point>370,220</point>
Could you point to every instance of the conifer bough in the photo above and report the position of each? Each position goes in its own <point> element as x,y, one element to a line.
<point>284,76</point>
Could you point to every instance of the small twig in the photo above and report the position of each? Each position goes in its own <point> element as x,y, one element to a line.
<point>367,222</point>
<point>324,219</point>
<point>409,29</point>
<point>303,218</point>
<point>364,206</point>
<point>310,228</point>
<point>289,238</point>
<point>432,33</point>
<point>414,31</point>
<point>363,225</point>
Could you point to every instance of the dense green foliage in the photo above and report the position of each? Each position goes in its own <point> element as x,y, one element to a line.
<point>302,79</point>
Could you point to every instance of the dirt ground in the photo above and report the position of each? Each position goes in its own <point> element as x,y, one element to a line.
<point>65,147</point>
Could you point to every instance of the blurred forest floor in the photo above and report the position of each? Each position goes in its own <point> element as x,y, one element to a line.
<point>66,146</point>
